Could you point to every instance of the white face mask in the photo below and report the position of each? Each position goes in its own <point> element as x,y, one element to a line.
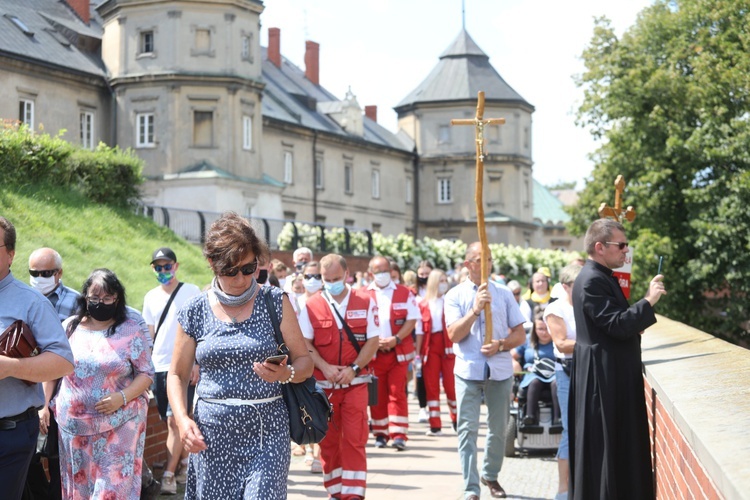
<point>282,282</point>
<point>43,285</point>
<point>382,279</point>
<point>313,285</point>
<point>397,281</point>
<point>442,288</point>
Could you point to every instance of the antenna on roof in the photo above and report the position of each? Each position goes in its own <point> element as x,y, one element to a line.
<point>463,14</point>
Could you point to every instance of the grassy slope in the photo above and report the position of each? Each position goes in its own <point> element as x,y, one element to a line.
<point>88,236</point>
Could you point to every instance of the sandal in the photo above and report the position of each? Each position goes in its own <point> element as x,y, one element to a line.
<point>298,450</point>
<point>309,459</point>
<point>316,467</point>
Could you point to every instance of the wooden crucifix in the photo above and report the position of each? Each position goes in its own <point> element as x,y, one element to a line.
<point>617,212</point>
<point>479,123</point>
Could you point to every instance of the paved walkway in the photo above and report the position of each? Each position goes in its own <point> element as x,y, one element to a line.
<point>429,469</point>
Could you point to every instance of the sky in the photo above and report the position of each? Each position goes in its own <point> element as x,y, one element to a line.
<point>383,49</point>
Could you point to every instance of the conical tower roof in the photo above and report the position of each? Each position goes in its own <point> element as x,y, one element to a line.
<point>464,69</point>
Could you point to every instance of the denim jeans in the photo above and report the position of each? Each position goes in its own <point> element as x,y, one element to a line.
<point>469,400</point>
<point>563,391</point>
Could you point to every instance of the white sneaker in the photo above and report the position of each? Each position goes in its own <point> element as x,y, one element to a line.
<point>424,417</point>
<point>168,485</point>
<point>181,476</point>
<point>433,433</point>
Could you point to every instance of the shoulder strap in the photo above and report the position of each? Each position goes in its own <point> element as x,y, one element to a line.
<point>266,291</point>
<point>348,330</point>
<point>166,309</point>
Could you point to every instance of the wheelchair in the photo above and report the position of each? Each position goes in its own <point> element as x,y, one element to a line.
<point>540,438</point>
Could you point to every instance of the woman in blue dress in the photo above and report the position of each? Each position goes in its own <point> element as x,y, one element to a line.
<point>239,437</point>
<point>537,357</point>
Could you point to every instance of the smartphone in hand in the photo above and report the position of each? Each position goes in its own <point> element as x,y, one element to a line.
<point>277,359</point>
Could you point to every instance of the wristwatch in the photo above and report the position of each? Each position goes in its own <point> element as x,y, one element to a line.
<point>356,368</point>
<point>398,339</point>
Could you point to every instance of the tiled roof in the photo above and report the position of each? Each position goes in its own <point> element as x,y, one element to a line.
<point>548,209</point>
<point>46,21</point>
<point>464,69</point>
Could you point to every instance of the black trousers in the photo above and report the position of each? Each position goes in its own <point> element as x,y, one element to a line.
<point>17,448</point>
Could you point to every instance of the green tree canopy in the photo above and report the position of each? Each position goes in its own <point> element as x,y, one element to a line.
<point>670,102</point>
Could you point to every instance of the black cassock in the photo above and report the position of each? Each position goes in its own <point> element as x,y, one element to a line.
<point>608,427</point>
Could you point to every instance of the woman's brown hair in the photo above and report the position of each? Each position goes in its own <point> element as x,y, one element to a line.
<point>230,239</point>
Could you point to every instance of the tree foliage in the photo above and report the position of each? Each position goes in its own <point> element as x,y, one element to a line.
<point>670,102</point>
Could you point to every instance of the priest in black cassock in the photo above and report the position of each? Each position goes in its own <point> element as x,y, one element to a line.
<point>609,442</point>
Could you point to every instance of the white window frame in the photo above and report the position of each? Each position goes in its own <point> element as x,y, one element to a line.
<point>26,115</point>
<point>247,132</point>
<point>409,190</point>
<point>444,134</point>
<point>375,181</point>
<point>288,167</point>
<point>444,190</point>
<point>319,180</point>
<point>144,138</point>
<point>142,42</point>
<point>348,178</point>
<point>245,47</point>
<point>87,129</point>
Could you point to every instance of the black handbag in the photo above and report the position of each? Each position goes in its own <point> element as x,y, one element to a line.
<point>309,408</point>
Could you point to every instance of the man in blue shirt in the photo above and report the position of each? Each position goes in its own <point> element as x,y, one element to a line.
<point>482,369</point>
<point>45,276</point>
<point>19,422</point>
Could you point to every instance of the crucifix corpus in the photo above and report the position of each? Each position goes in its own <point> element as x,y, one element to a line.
<point>617,213</point>
<point>479,123</point>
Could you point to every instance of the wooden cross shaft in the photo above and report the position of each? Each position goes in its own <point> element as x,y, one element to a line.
<point>479,123</point>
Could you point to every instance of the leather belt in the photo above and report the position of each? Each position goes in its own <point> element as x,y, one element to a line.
<point>9,423</point>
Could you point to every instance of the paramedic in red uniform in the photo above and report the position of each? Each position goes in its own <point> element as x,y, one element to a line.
<point>398,314</point>
<point>341,369</point>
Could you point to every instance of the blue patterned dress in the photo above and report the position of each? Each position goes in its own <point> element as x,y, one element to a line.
<point>248,454</point>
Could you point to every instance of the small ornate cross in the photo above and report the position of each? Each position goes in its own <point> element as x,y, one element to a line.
<point>617,213</point>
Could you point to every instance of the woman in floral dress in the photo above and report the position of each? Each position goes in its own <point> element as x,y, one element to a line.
<point>101,407</point>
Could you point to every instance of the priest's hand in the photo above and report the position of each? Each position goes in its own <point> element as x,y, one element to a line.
<point>655,290</point>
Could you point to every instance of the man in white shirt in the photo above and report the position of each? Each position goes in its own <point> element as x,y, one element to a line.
<point>341,369</point>
<point>482,369</point>
<point>162,324</point>
<point>398,314</point>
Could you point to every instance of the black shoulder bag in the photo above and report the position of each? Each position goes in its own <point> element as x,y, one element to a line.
<point>309,408</point>
<point>166,309</point>
<point>372,386</point>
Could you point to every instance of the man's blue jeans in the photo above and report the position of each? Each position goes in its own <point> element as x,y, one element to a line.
<point>469,400</point>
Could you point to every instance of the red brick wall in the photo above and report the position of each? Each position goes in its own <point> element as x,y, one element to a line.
<point>678,472</point>
<point>155,451</point>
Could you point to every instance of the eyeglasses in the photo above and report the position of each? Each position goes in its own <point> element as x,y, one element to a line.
<point>620,244</point>
<point>517,293</point>
<point>246,270</point>
<point>44,274</point>
<point>104,300</point>
<point>166,267</point>
<point>313,276</point>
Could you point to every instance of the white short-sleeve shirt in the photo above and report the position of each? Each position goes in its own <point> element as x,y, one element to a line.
<point>384,298</point>
<point>373,330</point>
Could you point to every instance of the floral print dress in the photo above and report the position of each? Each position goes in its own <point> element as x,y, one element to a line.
<point>101,455</point>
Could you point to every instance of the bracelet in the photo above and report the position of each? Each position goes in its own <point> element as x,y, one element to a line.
<point>124,399</point>
<point>287,381</point>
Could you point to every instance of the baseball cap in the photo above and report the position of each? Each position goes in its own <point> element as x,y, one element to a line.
<point>163,253</point>
<point>545,271</point>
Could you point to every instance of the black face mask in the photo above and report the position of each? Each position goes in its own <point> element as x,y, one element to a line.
<point>262,276</point>
<point>299,267</point>
<point>101,311</point>
<point>421,281</point>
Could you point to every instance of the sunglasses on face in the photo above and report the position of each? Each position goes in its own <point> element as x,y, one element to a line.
<point>246,270</point>
<point>165,267</point>
<point>620,244</point>
<point>43,274</point>
<point>313,276</point>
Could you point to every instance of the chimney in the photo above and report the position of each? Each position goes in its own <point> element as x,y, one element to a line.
<point>371,112</point>
<point>81,8</point>
<point>312,66</point>
<point>274,46</point>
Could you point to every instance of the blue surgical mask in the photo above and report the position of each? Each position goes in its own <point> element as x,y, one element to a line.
<point>164,278</point>
<point>335,288</point>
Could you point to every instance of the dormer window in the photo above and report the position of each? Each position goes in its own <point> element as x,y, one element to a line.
<point>20,25</point>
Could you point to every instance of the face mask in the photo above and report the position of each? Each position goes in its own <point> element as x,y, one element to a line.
<point>101,311</point>
<point>442,288</point>
<point>43,285</point>
<point>299,267</point>
<point>262,276</point>
<point>382,279</point>
<point>298,295</point>
<point>313,285</point>
<point>397,281</point>
<point>163,278</point>
<point>335,288</point>
<point>421,281</point>
<point>282,282</point>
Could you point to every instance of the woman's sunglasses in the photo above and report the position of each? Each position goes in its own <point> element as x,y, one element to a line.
<point>43,274</point>
<point>246,270</point>
<point>165,267</point>
<point>313,276</point>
